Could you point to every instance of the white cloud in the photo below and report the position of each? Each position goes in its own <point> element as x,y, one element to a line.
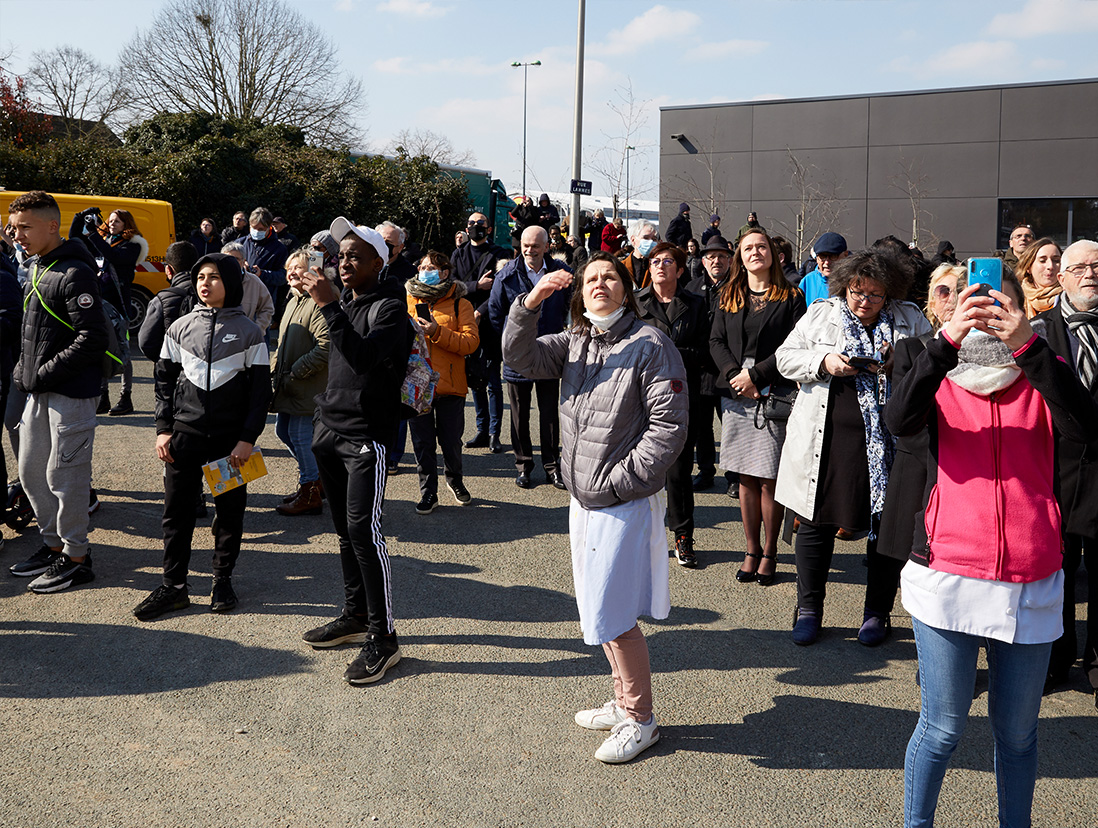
<point>978,60</point>
<point>726,49</point>
<point>412,8</point>
<point>447,69</point>
<point>657,24</point>
<point>1046,17</point>
<point>345,6</point>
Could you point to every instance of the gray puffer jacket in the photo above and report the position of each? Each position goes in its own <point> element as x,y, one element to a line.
<point>623,403</point>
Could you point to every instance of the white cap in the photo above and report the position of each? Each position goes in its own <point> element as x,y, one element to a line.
<point>341,227</point>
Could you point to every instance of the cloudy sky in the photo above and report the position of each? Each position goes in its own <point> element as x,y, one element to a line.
<point>445,66</point>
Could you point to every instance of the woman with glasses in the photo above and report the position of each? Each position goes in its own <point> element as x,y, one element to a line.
<point>837,455</point>
<point>684,317</point>
<point>907,480</point>
<point>1038,270</point>
<point>758,309</point>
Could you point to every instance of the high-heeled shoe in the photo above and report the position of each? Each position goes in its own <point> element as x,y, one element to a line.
<point>747,577</point>
<point>767,580</point>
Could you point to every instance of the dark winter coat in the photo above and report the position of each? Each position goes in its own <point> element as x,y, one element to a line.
<point>1077,463</point>
<point>679,232</point>
<point>164,308</point>
<point>727,341</point>
<point>686,321</point>
<point>366,363</point>
<point>205,246</point>
<point>268,257</point>
<point>513,281</point>
<point>703,287</point>
<point>56,358</point>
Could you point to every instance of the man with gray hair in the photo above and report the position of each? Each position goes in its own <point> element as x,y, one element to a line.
<point>265,255</point>
<point>397,267</point>
<point>1072,333</point>
<point>643,238</point>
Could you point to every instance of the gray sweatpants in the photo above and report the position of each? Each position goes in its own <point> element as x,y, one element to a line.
<point>55,466</point>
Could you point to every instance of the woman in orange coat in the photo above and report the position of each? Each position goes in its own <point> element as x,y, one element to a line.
<point>440,311</point>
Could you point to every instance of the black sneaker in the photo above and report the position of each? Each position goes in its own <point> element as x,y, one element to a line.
<point>222,599</point>
<point>460,492</point>
<point>344,630</point>
<point>163,599</point>
<point>427,504</point>
<point>63,573</point>
<point>684,551</point>
<point>36,564</point>
<point>378,655</point>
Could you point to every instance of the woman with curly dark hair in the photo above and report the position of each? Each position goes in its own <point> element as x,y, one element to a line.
<point>837,455</point>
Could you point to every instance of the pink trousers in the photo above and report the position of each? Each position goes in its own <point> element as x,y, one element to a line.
<point>628,657</point>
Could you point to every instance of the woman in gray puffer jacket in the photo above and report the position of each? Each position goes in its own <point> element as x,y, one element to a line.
<point>623,416</point>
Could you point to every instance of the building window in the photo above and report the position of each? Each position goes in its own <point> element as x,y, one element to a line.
<point>1065,220</point>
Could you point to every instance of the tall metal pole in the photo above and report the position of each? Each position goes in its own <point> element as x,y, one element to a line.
<point>577,130</point>
<point>525,76</point>
<point>628,150</point>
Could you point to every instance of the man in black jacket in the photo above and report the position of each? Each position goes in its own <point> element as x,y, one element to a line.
<point>717,259</point>
<point>60,368</point>
<point>678,230</point>
<point>357,416</point>
<point>1072,333</point>
<point>475,264</point>
<point>170,303</point>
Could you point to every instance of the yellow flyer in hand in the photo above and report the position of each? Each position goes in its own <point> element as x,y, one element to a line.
<point>222,477</point>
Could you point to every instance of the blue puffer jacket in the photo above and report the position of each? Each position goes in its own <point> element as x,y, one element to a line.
<point>512,282</point>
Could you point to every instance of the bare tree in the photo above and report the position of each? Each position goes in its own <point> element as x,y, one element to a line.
<point>244,59</point>
<point>76,86</point>
<point>913,183</point>
<point>617,160</point>
<point>437,147</point>
<point>816,206</point>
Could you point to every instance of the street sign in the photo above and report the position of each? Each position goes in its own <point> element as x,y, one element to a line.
<point>581,187</point>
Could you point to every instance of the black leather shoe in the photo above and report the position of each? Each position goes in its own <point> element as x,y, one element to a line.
<point>556,478</point>
<point>494,445</point>
<point>480,441</point>
<point>702,481</point>
<point>523,481</point>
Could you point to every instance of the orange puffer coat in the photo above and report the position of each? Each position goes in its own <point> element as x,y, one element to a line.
<point>457,336</point>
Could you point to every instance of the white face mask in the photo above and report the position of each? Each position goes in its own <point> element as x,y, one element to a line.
<point>258,235</point>
<point>604,323</point>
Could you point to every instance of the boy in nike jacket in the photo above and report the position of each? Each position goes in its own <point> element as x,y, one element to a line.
<point>213,385</point>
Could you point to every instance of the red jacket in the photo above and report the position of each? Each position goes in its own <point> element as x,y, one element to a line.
<point>991,508</point>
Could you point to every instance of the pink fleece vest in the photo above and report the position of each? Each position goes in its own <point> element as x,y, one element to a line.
<point>992,513</point>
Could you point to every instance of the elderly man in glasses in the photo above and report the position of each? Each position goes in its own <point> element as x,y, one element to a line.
<point>475,264</point>
<point>1072,332</point>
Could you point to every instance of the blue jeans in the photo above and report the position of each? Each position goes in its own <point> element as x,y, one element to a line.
<point>947,676</point>
<point>297,433</point>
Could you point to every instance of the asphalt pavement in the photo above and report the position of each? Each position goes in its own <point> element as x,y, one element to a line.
<point>199,719</point>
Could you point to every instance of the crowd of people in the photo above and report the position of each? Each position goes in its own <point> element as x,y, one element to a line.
<point>874,396</point>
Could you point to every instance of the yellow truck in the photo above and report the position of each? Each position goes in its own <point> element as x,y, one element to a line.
<point>155,220</point>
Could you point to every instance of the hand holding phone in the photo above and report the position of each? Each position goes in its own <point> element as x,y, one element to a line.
<point>316,259</point>
<point>987,273</point>
<point>423,311</point>
<point>863,363</point>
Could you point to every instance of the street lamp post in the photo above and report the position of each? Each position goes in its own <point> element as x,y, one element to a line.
<point>525,71</point>
<point>628,149</point>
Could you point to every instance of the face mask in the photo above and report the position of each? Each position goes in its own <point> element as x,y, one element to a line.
<point>429,277</point>
<point>477,233</point>
<point>646,246</point>
<point>604,323</point>
<point>258,235</point>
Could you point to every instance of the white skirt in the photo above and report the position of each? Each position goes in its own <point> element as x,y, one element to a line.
<point>619,563</point>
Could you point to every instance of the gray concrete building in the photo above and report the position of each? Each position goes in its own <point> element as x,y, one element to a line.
<point>959,164</point>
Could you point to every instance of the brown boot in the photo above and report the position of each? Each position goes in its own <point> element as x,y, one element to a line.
<point>307,503</point>
<point>292,496</point>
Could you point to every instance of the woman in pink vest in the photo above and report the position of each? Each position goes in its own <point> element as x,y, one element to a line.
<point>985,568</point>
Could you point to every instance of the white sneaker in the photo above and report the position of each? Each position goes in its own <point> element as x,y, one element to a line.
<point>627,740</point>
<point>601,718</point>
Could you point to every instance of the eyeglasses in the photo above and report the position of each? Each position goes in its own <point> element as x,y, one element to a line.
<point>943,291</point>
<point>871,298</point>
<point>477,223</point>
<point>1081,269</point>
<point>661,262</point>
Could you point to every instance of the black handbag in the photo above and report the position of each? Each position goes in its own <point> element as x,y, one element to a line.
<point>777,405</point>
<point>476,370</point>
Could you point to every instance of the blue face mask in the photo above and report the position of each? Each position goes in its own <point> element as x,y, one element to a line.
<point>429,277</point>
<point>258,235</point>
<point>646,246</point>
